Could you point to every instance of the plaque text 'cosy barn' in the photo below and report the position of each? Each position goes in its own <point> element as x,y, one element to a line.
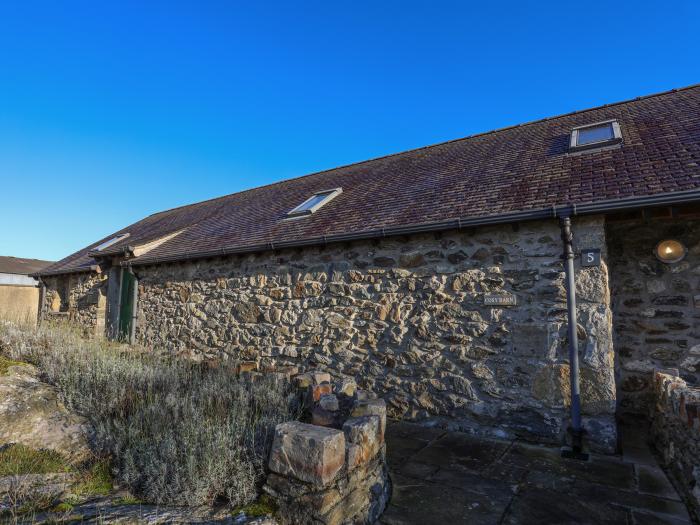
<point>500,300</point>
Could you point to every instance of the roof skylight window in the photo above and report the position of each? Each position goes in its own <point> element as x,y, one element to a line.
<point>596,135</point>
<point>314,202</point>
<point>110,242</point>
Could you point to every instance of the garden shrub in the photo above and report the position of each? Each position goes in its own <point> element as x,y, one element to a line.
<point>178,432</point>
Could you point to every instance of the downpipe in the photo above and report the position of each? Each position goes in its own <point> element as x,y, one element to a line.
<point>576,429</point>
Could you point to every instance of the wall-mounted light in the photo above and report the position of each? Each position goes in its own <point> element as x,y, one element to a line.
<point>670,251</point>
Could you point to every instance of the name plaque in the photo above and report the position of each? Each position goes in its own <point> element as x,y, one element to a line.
<point>500,300</point>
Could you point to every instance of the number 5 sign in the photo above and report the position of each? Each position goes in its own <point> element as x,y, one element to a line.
<point>590,257</point>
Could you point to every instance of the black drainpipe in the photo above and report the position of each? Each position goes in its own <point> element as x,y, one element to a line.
<point>576,429</point>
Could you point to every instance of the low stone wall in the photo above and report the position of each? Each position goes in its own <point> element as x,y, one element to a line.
<point>676,434</point>
<point>335,473</point>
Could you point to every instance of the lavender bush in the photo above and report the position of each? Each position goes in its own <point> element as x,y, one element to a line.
<point>178,432</point>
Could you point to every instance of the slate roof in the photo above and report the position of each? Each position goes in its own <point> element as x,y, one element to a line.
<point>519,168</point>
<point>19,266</point>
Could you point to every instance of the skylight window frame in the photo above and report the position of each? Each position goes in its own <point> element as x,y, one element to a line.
<point>615,139</point>
<point>301,210</point>
<point>110,242</point>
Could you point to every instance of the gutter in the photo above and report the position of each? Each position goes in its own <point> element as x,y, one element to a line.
<point>84,269</point>
<point>568,210</point>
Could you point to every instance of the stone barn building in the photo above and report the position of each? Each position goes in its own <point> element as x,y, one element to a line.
<point>435,277</point>
<point>19,293</point>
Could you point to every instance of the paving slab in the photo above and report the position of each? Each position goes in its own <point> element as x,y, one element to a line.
<point>599,469</point>
<point>544,507</point>
<point>505,472</point>
<point>415,469</point>
<point>632,500</point>
<point>413,430</point>
<point>428,503</point>
<point>453,477</point>
<point>634,438</point>
<point>460,478</point>
<point>653,480</point>
<point>465,450</point>
<point>548,480</point>
<point>402,448</point>
<point>641,518</point>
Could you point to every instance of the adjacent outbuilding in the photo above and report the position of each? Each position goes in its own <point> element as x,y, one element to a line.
<point>19,293</point>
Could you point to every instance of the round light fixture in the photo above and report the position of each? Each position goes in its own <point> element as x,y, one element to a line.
<point>670,251</point>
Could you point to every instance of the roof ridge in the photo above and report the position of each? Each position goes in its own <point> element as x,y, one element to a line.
<point>23,258</point>
<point>411,150</point>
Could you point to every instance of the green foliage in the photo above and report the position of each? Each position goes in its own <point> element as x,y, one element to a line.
<point>18,459</point>
<point>96,480</point>
<point>37,503</point>
<point>6,363</point>
<point>179,432</point>
<point>127,500</point>
<point>264,506</point>
<point>93,479</point>
<point>63,507</point>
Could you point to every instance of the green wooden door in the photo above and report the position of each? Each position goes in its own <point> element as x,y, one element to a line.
<point>126,309</point>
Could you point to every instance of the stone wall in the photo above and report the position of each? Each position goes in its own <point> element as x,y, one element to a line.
<point>406,318</point>
<point>675,430</point>
<point>656,306</point>
<point>334,472</point>
<point>80,297</point>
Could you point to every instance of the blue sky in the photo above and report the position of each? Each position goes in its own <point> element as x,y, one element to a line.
<point>111,111</point>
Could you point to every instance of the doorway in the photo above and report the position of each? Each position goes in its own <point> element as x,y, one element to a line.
<point>126,305</point>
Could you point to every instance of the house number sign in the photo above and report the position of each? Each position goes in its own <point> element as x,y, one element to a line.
<point>500,300</point>
<point>590,257</point>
